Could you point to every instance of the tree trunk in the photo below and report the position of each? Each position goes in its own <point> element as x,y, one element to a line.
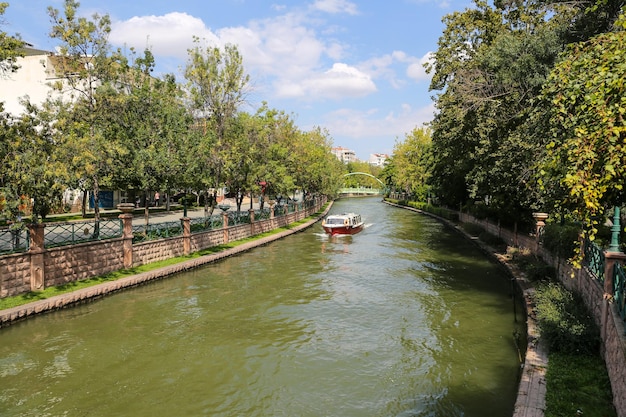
<point>146,209</point>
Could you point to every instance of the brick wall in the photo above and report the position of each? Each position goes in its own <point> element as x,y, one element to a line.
<point>14,274</point>
<point>78,262</point>
<point>157,250</point>
<point>45,267</point>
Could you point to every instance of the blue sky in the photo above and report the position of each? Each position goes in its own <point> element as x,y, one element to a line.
<point>351,67</point>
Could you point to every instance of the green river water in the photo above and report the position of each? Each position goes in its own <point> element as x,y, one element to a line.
<point>404,319</point>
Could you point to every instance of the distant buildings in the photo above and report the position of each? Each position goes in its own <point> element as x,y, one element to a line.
<point>378,159</point>
<point>348,155</point>
<point>344,155</point>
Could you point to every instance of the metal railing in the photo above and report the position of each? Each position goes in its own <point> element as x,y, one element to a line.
<point>146,232</point>
<point>263,214</point>
<point>14,240</point>
<point>71,233</point>
<point>202,224</point>
<point>619,289</point>
<point>594,260</point>
<point>238,217</point>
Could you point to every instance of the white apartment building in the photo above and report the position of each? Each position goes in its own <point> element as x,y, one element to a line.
<point>32,80</point>
<point>378,159</point>
<point>344,155</point>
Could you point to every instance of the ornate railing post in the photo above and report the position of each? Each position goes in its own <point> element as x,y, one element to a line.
<point>540,220</point>
<point>611,256</point>
<point>186,223</point>
<point>127,232</point>
<point>37,250</point>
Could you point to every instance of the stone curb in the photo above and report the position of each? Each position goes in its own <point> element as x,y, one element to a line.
<point>531,391</point>
<point>15,314</point>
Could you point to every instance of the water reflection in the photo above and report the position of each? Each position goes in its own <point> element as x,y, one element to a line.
<point>403,319</point>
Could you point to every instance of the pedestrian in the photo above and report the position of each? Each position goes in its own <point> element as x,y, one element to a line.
<point>157,197</point>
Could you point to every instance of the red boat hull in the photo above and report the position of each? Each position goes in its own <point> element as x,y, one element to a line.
<point>343,230</point>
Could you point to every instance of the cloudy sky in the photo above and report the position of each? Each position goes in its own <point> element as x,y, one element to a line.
<point>352,67</point>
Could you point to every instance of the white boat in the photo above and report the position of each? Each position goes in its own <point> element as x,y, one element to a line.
<point>343,224</point>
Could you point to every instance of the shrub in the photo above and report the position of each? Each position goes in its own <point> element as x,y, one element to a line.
<point>561,240</point>
<point>564,321</point>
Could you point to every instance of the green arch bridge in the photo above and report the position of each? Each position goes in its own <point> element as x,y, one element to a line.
<point>364,191</point>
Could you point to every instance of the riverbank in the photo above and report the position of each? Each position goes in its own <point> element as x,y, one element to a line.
<point>532,387</point>
<point>12,315</point>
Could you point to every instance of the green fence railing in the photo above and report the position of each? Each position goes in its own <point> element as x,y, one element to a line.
<point>202,224</point>
<point>145,232</point>
<point>14,241</point>
<point>71,233</point>
<point>594,260</point>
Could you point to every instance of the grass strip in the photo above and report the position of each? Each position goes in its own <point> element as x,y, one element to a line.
<point>578,385</point>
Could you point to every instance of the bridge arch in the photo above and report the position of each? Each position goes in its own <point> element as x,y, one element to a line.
<point>367,175</point>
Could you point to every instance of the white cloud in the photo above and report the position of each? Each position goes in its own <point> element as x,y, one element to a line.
<point>169,35</point>
<point>341,81</point>
<point>373,124</point>
<point>335,6</point>
<point>416,70</point>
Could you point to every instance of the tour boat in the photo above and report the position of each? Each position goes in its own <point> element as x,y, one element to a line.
<point>343,224</point>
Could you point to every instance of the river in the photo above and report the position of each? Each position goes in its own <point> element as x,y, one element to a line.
<point>405,318</point>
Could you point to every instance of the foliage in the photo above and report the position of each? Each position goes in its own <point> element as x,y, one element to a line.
<point>578,385</point>
<point>565,323</point>
<point>10,48</point>
<point>561,240</point>
<point>89,74</point>
<point>587,129</point>
<point>217,85</point>
<point>480,148</point>
<point>534,268</point>
<point>411,163</point>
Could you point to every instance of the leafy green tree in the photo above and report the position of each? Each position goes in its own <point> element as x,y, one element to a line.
<point>217,85</point>
<point>587,129</point>
<point>10,47</point>
<point>32,171</point>
<point>412,162</point>
<point>491,64</point>
<point>89,77</point>
<point>154,124</point>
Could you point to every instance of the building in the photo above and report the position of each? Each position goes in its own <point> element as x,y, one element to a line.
<point>378,159</point>
<point>344,155</point>
<point>32,79</point>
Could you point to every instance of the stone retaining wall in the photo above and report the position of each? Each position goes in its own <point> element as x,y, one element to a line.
<point>582,282</point>
<point>42,267</point>
<point>73,263</point>
<point>14,274</point>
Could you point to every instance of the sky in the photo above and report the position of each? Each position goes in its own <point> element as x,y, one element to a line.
<point>352,67</point>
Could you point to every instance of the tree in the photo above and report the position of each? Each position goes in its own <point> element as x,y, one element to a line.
<point>412,162</point>
<point>153,124</point>
<point>89,75</point>
<point>217,85</point>
<point>586,139</point>
<point>479,149</point>
<point>10,47</point>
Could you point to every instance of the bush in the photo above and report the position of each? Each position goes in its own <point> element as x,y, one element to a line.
<point>561,240</point>
<point>564,321</point>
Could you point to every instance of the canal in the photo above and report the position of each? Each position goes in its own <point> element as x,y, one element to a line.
<point>404,319</point>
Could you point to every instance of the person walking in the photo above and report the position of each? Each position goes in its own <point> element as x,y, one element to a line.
<point>157,197</point>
